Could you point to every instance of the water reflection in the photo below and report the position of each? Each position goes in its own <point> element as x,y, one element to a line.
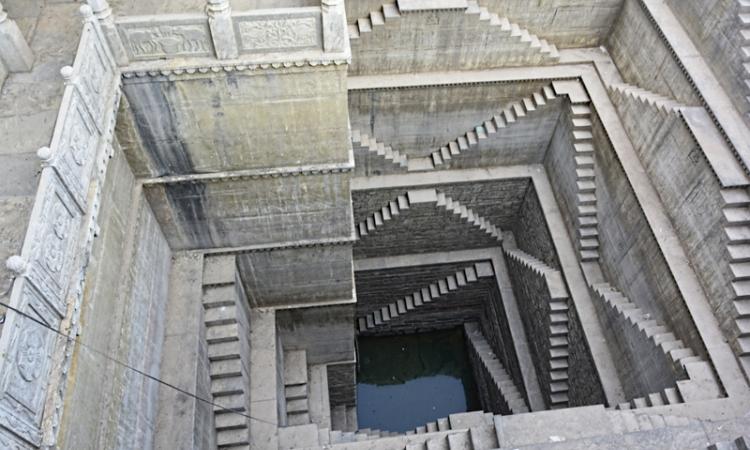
<point>407,381</point>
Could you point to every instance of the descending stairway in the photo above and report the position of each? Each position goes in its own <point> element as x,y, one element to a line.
<point>372,151</point>
<point>296,388</point>
<point>587,242</point>
<point>664,104</point>
<point>501,29</point>
<point>512,396</point>
<point>669,396</point>
<point>558,323</point>
<point>344,418</point>
<point>744,16</point>
<point>737,228</point>
<point>694,376</point>
<point>425,196</point>
<point>433,292</point>
<point>473,138</point>
<point>228,352</point>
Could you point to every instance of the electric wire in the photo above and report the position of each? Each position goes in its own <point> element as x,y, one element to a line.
<point>128,366</point>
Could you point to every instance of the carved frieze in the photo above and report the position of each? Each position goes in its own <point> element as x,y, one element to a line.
<point>50,244</point>
<point>154,40</point>
<point>268,33</point>
<point>94,71</point>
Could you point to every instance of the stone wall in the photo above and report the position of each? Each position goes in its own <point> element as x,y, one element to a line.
<point>123,315</point>
<point>566,23</point>
<point>399,118</point>
<point>666,147</point>
<point>297,276</point>
<point>496,201</point>
<point>584,386</point>
<point>218,213</point>
<point>326,333</point>
<point>644,59</point>
<point>531,232</point>
<point>630,255</point>
<point>342,384</point>
<point>560,166</point>
<point>232,121</point>
<point>715,29</point>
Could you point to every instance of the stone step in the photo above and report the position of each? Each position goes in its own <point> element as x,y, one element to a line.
<point>233,437</point>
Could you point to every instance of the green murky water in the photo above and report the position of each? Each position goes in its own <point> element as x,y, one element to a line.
<point>407,381</point>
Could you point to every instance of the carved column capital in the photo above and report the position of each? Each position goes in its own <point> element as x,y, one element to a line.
<point>15,52</point>
<point>222,30</point>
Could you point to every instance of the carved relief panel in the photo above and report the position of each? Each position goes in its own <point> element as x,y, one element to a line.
<point>95,75</point>
<point>264,33</point>
<point>153,40</point>
<point>50,244</point>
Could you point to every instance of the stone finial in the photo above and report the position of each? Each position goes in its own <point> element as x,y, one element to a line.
<point>44,153</point>
<point>86,12</point>
<point>14,50</point>
<point>67,73</point>
<point>16,264</point>
<point>222,31</point>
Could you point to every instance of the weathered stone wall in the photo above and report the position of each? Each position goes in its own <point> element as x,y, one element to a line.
<point>224,214</point>
<point>533,298</point>
<point>566,23</point>
<point>715,28</point>
<point>630,255</point>
<point>183,421</point>
<point>399,118</point>
<point>666,147</point>
<point>297,276</point>
<point>644,59</point>
<point>584,386</point>
<point>123,316</point>
<point>326,333</point>
<point>233,121</point>
<point>490,395</point>
<point>342,384</point>
<point>423,228</point>
<point>496,330</point>
<point>560,166</point>
<point>496,201</point>
<point>531,232</point>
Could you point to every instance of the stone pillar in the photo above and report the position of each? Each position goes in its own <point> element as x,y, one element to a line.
<point>14,51</point>
<point>103,13</point>
<point>334,26</point>
<point>222,30</point>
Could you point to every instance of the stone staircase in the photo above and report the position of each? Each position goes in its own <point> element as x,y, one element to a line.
<point>428,294</point>
<point>558,344</point>
<point>587,222</point>
<point>500,27</point>
<point>741,443</point>
<point>624,91</point>
<point>296,389</point>
<point>694,376</point>
<point>227,326</point>
<point>737,228</point>
<point>377,156</point>
<point>344,418</point>
<point>512,396</point>
<point>423,196</point>
<point>488,129</point>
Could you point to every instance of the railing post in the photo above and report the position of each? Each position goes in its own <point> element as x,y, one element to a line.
<point>334,26</point>
<point>103,13</point>
<point>222,29</point>
<point>14,50</point>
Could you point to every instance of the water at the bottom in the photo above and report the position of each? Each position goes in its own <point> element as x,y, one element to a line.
<point>407,381</point>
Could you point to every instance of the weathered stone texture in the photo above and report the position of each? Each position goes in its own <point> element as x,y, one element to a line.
<point>584,385</point>
<point>326,333</point>
<point>531,232</point>
<point>342,384</point>
<point>234,121</point>
<point>630,255</point>
<point>644,59</point>
<point>280,210</point>
<point>400,117</point>
<point>297,276</point>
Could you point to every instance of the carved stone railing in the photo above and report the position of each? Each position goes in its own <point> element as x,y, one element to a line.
<point>316,34</point>
<point>50,269</point>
